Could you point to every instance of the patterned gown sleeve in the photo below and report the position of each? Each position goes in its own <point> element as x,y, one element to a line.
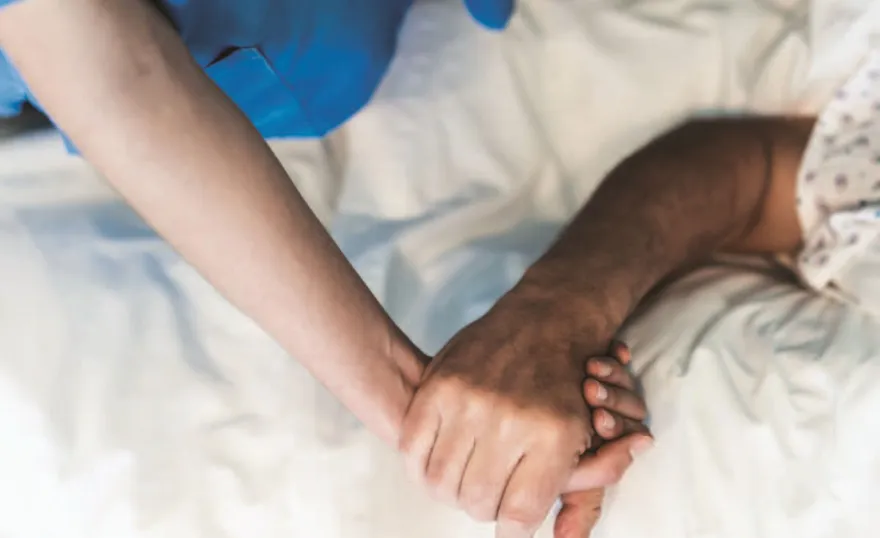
<point>839,194</point>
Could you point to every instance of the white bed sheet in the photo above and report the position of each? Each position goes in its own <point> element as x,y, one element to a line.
<point>135,402</point>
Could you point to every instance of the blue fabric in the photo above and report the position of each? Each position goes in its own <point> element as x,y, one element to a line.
<point>296,68</point>
<point>13,91</point>
<point>493,14</point>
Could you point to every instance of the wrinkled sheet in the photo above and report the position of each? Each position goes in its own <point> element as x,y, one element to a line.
<point>136,402</point>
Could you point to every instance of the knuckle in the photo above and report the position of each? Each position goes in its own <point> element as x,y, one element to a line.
<point>442,484</point>
<point>480,501</point>
<point>482,405</point>
<point>475,497</point>
<point>521,511</point>
<point>458,392</point>
<point>447,388</point>
<point>564,431</point>
<point>522,507</point>
<point>594,515</point>
<point>481,511</point>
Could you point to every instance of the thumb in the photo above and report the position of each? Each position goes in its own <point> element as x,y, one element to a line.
<point>607,466</point>
<point>493,14</point>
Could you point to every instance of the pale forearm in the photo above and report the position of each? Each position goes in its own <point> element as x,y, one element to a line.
<point>120,82</point>
<point>704,187</point>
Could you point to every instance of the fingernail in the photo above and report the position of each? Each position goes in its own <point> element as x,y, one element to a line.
<point>601,392</point>
<point>623,353</point>
<point>608,421</point>
<point>602,369</point>
<point>641,446</point>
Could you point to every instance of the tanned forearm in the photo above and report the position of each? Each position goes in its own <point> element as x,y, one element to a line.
<point>704,187</point>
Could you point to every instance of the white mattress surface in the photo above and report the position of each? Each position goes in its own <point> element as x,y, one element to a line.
<point>134,402</point>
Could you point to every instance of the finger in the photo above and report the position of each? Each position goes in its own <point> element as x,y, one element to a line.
<point>620,351</point>
<point>621,401</point>
<point>531,492</point>
<point>493,14</point>
<point>419,431</point>
<point>505,530</point>
<point>579,514</point>
<point>607,466</point>
<point>612,426</point>
<point>485,479</point>
<point>447,463</point>
<point>611,371</point>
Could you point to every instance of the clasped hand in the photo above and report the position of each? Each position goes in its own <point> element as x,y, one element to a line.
<point>508,417</point>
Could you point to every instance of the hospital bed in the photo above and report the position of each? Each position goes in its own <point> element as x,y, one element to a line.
<point>135,402</point>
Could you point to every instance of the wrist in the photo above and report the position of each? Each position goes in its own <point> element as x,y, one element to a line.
<point>382,401</point>
<point>568,304</point>
<point>405,364</point>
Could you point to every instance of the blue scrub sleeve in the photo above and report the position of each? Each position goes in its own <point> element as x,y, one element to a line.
<point>13,92</point>
<point>493,14</point>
